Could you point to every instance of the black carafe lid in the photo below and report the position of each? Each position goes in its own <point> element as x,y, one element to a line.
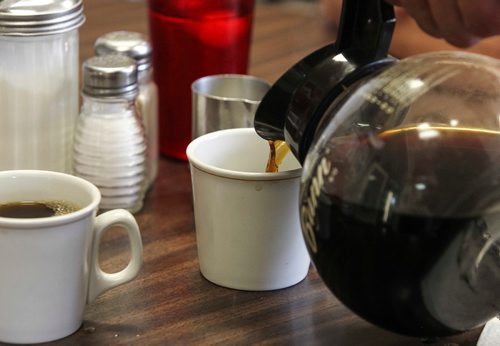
<point>293,106</point>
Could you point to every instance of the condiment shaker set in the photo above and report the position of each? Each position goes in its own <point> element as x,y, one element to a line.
<point>113,142</point>
<point>116,135</point>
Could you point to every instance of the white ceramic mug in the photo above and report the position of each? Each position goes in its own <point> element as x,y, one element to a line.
<point>49,267</point>
<point>247,221</point>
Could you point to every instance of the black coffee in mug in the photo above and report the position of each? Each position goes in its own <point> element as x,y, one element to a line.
<point>36,209</point>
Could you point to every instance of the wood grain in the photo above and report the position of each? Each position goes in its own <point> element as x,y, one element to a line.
<point>170,302</point>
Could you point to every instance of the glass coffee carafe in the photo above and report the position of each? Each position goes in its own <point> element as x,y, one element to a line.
<point>400,193</point>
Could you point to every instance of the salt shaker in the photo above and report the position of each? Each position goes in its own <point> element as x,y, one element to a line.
<point>38,82</point>
<point>136,46</point>
<point>110,147</point>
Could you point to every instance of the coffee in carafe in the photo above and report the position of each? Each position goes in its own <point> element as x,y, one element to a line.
<point>390,235</point>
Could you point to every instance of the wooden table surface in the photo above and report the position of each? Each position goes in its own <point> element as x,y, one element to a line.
<point>170,302</point>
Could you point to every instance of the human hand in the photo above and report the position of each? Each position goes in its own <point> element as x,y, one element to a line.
<point>460,22</point>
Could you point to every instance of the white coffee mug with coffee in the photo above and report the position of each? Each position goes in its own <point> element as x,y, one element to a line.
<point>49,267</point>
<point>247,221</point>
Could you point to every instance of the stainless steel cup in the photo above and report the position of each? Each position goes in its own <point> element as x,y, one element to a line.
<point>225,101</point>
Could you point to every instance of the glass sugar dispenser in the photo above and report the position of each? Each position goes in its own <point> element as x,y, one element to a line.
<point>39,81</point>
<point>400,188</point>
<point>136,46</point>
<point>110,147</point>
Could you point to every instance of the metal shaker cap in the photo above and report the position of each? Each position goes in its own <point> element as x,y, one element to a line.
<point>110,76</point>
<point>35,18</point>
<point>132,44</point>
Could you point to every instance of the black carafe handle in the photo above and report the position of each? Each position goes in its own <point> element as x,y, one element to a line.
<point>292,107</point>
<point>365,30</point>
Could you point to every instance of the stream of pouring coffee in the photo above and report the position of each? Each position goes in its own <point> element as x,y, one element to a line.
<point>277,153</point>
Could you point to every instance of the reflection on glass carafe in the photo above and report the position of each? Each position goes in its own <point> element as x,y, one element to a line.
<point>400,192</point>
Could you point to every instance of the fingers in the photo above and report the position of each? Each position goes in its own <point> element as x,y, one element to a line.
<point>450,23</point>
<point>481,18</point>
<point>420,10</point>
<point>460,22</point>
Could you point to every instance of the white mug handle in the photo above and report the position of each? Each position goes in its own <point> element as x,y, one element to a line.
<point>100,281</point>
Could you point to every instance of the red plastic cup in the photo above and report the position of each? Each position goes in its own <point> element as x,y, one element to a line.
<point>193,39</point>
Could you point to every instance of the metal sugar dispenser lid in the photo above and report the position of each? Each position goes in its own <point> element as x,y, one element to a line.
<point>36,18</point>
<point>132,44</point>
<point>110,76</point>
